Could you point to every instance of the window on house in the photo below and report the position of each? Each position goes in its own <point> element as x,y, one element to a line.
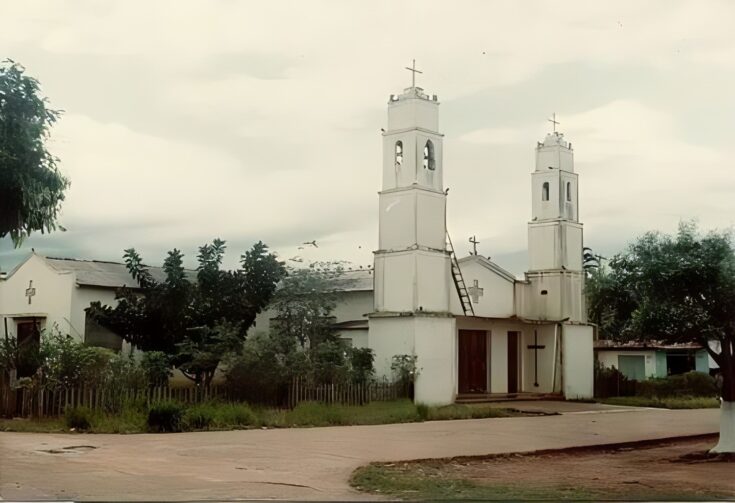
<point>399,154</point>
<point>569,191</point>
<point>545,191</point>
<point>429,161</point>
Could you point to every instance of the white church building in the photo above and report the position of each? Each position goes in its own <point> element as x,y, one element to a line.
<point>476,330</point>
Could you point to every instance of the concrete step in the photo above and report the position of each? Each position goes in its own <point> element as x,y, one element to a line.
<point>505,397</point>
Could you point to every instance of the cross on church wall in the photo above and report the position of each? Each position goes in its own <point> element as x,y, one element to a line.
<point>535,346</point>
<point>30,291</point>
<point>475,291</point>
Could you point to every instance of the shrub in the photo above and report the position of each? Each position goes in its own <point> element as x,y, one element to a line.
<point>165,417</point>
<point>422,410</point>
<point>689,384</point>
<point>361,365</point>
<point>235,415</point>
<point>156,366</point>
<point>199,417</point>
<point>79,418</point>
<point>330,364</point>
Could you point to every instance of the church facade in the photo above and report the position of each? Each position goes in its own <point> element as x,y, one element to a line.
<point>499,335</point>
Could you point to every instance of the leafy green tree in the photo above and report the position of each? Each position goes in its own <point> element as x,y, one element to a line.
<point>675,289</point>
<point>361,364</point>
<point>156,366</point>
<point>305,301</point>
<point>195,320</point>
<point>31,186</point>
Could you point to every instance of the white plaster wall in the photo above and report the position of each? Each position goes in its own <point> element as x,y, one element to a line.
<point>555,157</point>
<point>413,112</point>
<point>609,359</point>
<point>436,349</point>
<point>389,337</point>
<point>553,245</point>
<point>578,358</point>
<point>82,296</point>
<point>499,359</point>
<point>52,299</point>
<point>546,358</point>
<point>411,281</point>
<point>357,338</point>
<point>497,296</point>
<point>412,216</point>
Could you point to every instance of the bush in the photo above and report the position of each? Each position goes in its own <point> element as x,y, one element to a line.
<point>689,384</point>
<point>361,365</point>
<point>79,418</point>
<point>165,417</point>
<point>235,415</point>
<point>422,410</point>
<point>199,417</point>
<point>156,366</point>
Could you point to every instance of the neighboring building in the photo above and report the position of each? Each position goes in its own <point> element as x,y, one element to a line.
<point>44,292</point>
<point>644,360</point>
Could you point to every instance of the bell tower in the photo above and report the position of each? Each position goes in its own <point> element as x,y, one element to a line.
<point>555,234</point>
<point>412,273</point>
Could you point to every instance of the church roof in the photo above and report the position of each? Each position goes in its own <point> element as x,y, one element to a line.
<point>356,280</point>
<point>489,264</point>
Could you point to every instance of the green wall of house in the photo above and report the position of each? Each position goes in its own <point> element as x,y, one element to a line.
<point>660,364</point>
<point>701,361</point>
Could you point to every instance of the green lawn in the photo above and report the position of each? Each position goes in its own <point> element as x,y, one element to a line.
<point>222,416</point>
<point>426,481</point>
<point>686,402</point>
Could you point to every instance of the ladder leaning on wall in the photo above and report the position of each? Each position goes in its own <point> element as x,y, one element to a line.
<point>464,297</point>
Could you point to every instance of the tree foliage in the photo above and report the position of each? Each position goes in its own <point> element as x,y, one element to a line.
<point>674,289</point>
<point>196,319</point>
<point>31,186</point>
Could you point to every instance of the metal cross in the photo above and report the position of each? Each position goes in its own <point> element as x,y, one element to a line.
<point>474,242</point>
<point>475,291</point>
<point>30,291</point>
<point>553,120</point>
<point>413,75</point>
<point>535,346</point>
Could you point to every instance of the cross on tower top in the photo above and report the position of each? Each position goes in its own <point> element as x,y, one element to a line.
<point>413,71</point>
<point>553,120</point>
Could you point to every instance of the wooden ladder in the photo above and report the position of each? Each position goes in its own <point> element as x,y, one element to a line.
<point>464,297</point>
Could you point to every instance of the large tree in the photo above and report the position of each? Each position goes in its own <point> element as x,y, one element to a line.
<point>677,288</point>
<point>195,318</point>
<point>31,186</point>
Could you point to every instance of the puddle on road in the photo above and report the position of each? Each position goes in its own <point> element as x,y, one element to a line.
<point>72,449</point>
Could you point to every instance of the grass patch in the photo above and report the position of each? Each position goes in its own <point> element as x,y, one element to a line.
<point>428,481</point>
<point>686,402</point>
<point>215,415</point>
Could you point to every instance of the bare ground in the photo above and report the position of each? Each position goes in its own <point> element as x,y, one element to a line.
<point>671,470</point>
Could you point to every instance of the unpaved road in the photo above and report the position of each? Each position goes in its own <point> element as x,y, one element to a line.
<point>297,463</point>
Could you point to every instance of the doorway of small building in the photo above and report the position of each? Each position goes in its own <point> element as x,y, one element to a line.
<point>514,367</point>
<point>472,363</point>
<point>28,332</point>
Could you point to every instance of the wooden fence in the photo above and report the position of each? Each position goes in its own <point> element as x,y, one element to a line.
<point>345,394</point>
<point>30,402</point>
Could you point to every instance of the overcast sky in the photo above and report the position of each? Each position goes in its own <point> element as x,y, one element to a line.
<point>185,121</point>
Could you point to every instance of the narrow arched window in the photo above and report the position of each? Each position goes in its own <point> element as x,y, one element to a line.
<point>545,191</point>
<point>399,154</point>
<point>569,191</point>
<point>429,162</point>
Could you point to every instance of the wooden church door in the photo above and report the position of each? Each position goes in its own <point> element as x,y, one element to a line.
<point>472,361</point>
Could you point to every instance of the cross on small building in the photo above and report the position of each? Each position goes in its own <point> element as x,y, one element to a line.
<point>553,120</point>
<point>30,291</point>
<point>474,242</point>
<point>414,72</point>
<point>475,291</point>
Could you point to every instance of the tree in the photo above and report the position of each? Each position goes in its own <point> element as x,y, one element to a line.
<point>31,186</point>
<point>305,300</point>
<point>675,289</point>
<point>194,320</point>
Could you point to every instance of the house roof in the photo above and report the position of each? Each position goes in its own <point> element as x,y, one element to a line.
<point>608,344</point>
<point>490,265</point>
<point>356,280</point>
<point>101,273</point>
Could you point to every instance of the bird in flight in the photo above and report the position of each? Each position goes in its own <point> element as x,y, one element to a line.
<point>312,243</point>
<point>296,259</point>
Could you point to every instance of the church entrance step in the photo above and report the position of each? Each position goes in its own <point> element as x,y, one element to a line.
<point>466,398</point>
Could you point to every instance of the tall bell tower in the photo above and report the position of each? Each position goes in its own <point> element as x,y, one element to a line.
<point>412,266</point>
